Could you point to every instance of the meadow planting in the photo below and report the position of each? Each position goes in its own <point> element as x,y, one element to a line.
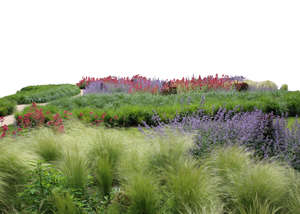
<point>215,144</point>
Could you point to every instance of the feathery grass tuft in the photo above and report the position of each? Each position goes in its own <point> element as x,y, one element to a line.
<point>47,146</point>
<point>74,166</point>
<point>13,174</point>
<point>64,203</point>
<point>192,189</point>
<point>143,193</point>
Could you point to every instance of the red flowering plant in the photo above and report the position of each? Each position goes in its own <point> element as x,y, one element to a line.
<point>36,117</point>
<point>98,118</point>
<point>5,130</point>
<point>139,83</point>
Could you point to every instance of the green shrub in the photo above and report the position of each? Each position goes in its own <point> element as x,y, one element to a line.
<point>284,87</point>
<point>7,107</point>
<point>267,84</point>
<point>37,194</point>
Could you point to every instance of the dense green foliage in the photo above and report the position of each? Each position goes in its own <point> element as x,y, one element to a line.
<point>100,170</point>
<point>43,93</point>
<point>37,94</point>
<point>284,87</point>
<point>132,109</point>
<point>278,101</point>
<point>7,107</point>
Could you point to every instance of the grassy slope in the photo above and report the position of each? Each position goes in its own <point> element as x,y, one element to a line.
<point>38,94</point>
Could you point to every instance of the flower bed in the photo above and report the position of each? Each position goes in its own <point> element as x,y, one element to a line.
<point>142,84</point>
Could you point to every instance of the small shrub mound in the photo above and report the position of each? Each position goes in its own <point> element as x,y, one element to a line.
<point>243,86</point>
<point>284,87</point>
<point>7,107</point>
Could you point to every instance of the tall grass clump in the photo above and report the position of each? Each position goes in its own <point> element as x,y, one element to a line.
<point>166,152</point>
<point>104,176</point>
<point>293,199</point>
<point>261,185</point>
<point>13,175</point>
<point>75,168</point>
<point>251,187</point>
<point>104,156</point>
<point>192,189</point>
<point>48,146</point>
<point>64,203</point>
<point>143,193</point>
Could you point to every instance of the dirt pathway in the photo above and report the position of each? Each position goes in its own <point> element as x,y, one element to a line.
<point>10,119</point>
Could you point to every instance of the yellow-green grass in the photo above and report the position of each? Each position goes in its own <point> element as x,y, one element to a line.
<point>134,174</point>
<point>292,120</point>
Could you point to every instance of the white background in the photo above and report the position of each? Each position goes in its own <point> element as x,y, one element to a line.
<point>60,41</point>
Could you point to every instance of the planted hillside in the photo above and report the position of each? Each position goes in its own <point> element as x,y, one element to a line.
<point>37,94</point>
<point>215,145</point>
<point>133,109</point>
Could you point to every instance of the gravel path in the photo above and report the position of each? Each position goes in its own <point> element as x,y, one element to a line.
<point>10,119</point>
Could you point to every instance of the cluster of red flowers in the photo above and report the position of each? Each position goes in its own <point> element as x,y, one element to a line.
<point>98,119</point>
<point>36,117</point>
<point>140,83</point>
<point>4,129</point>
<point>211,82</point>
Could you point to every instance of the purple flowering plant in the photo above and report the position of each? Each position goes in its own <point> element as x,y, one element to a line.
<point>265,134</point>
